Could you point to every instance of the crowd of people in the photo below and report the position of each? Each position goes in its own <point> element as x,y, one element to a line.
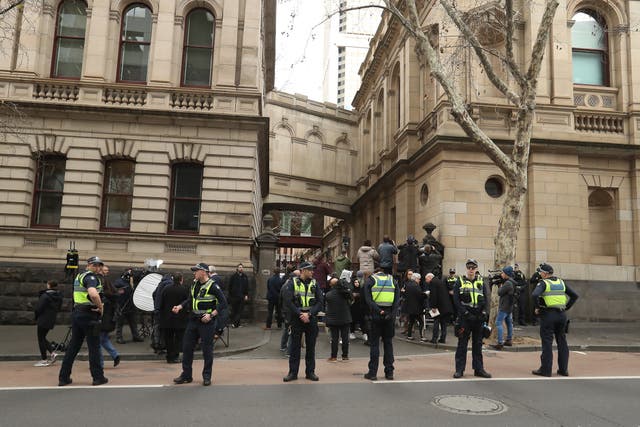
<point>369,299</point>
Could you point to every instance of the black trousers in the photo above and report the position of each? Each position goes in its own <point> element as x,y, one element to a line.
<point>522,306</point>
<point>274,306</point>
<point>472,328</point>
<point>83,327</point>
<point>173,341</point>
<point>310,331</point>
<point>130,317</point>
<point>413,318</point>
<point>553,323</point>
<point>43,344</point>
<point>237,304</point>
<point>440,327</point>
<point>337,332</point>
<point>205,332</point>
<point>384,329</point>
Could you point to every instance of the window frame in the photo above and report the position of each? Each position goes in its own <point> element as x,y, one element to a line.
<point>185,46</point>
<point>37,192</point>
<point>56,37</point>
<point>172,198</point>
<point>122,42</point>
<point>106,195</point>
<point>604,54</point>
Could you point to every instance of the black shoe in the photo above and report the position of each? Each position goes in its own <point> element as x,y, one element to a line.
<point>522,324</point>
<point>563,373</point>
<point>540,373</point>
<point>508,343</point>
<point>63,382</point>
<point>389,377</point>
<point>290,377</point>
<point>497,346</point>
<point>312,377</point>
<point>370,376</point>
<point>442,341</point>
<point>174,361</point>
<point>458,374</point>
<point>116,361</point>
<point>138,339</point>
<point>433,341</point>
<point>100,381</point>
<point>482,373</point>
<point>206,382</point>
<point>367,343</point>
<point>120,341</point>
<point>182,380</point>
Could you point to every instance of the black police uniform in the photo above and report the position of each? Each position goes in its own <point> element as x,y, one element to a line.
<point>553,322</point>
<point>205,331</point>
<point>522,296</point>
<point>298,327</point>
<point>381,326</point>
<point>85,324</point>
<point>471,319</point>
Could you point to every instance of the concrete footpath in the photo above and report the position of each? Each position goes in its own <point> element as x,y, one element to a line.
<point>19,343</point>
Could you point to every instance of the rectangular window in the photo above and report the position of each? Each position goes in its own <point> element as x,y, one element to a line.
<point>118,194</point>
<point>49,186</point>
<point>186,190</point>
<point>588,68</point>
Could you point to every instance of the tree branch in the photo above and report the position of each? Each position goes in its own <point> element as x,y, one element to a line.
<point>11,6</point>
<point>454,14</point>
<point>541,42</point>
<point>510,60</point>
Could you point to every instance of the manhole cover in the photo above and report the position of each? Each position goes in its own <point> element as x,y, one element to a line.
<point>469,405</point>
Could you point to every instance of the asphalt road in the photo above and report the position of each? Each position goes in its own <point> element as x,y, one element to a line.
<point>555,402</point>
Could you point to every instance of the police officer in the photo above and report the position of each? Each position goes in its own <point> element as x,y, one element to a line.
<point>85,323</point>
<point>470,297</point>
<point>303,300</point>
<point>521,294</point>
<point>550,297</point>
<point>382,295</point>
<point>206,321</point>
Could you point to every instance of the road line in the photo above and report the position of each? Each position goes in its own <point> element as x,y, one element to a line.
<point>453,380</point>
<point>84,387</point>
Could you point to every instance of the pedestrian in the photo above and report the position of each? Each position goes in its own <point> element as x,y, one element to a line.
<point>108,323</point>
<point>521,294</point>
<point>338,316</point>
<point>342,262</point>
<point>126,310</point>
<point>408,256</point>
<point>303,299</point>
<point>357,312</point>
<point>414,303</point>
<point>533,281</point>
<point>85,323</point>
<point>451,281</point>
<point>505,307</point>
<point>553,297</point>
<point>430,261</point>
<point>387,249</point>
<point>382,295</point>
<point>440,302</point>
<point>173,325</point>
<point>470,296</point>
<point>321,269</point>
<point>238,294</point>
<point>366,258</point>
<point>157,337</point>
<point>207,319</point>
<point>49,304</point>
<point>274,284</point>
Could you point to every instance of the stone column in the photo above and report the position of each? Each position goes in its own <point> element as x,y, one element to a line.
<point>96,41</point>
<point>267,243</point>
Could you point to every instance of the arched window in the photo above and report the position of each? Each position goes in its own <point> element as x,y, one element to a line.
<point>68,45</point>
<point>186,194</point>
<point>197,52</point>
<point>48,189</point>
<point>135,44</point>
<point>118,194</point>
<point>590,50</point>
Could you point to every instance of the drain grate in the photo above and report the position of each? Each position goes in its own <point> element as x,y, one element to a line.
<point>469,405</point>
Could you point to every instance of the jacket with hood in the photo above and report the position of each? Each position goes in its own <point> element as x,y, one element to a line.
<point>341,263</point>
<point>366,257</point>
<point>49,303</point>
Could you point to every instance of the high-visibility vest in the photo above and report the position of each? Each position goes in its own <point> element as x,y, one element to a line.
<point>473,289</point>
<point>203,302</point>
<point>554,295</point>
<point>80,293</point>
<point>304,293</point>
<point>383,290</point>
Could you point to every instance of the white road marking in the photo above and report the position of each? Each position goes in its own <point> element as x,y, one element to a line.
<point>85,387</point>
<point>454,380</point>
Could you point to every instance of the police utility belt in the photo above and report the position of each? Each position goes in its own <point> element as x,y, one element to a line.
<point>85,308</point>
<point>560,310</point>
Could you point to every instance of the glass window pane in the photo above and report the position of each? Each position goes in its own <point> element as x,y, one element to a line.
<point>197,63</point>
<point>186,215</point>
<point>119,177</point>
<point>137,24</point>
<point>200,28</point>
<point>587,33</point>
<point>133,65</point>
<point>51,174</point>
<point>117,212</point>
<point>48,207</point>
<point>588,68</point>
<point>69,58</point>
<point>188,181</point>
<point>72,19</point>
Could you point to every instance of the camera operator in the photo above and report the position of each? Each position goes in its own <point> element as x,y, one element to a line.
<point>470,296</point>
<point>382,296</point>
<point>505,307</point>
<point>338,316</point>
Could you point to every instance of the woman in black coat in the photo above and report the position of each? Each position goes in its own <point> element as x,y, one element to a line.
<point>440,300</point>
<point>414,300</point>
<point>338,316</point>
<point>49,303</point>
<point>108,324</point>
<point>172,325</point>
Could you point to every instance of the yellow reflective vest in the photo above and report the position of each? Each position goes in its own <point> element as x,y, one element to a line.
<point>554,295</point>
<point>383,290</point>
<point>472,291</point>
<point>304,293</point>
<point>203,302</point>
<point>80,292</point>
